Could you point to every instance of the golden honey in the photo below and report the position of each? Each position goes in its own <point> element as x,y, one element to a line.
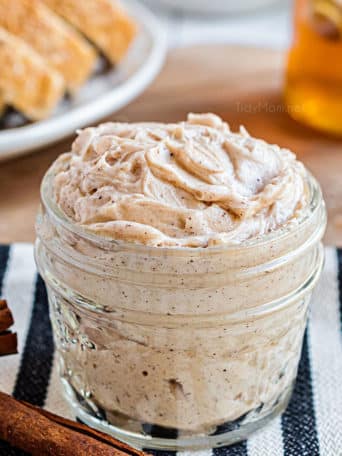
<point>313,87</point>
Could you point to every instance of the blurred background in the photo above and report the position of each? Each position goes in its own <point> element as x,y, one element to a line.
<point>272,65</point>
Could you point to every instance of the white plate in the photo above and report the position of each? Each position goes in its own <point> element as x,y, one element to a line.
<point>102,95</point>
<point>213,6</point>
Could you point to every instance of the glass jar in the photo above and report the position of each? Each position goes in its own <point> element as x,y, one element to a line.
<point>178,348</point>
<point>313,87</point>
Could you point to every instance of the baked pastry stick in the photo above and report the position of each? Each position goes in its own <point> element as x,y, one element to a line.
<point>103,22</point>
<point>27,82</point>
<point>54,39</point>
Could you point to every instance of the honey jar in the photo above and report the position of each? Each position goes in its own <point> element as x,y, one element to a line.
<point>313,86</point>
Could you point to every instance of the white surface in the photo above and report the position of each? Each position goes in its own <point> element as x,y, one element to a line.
<point>212,6</point>
<point>259,444</point>
<point>263,27</point>
<point>102,95</point>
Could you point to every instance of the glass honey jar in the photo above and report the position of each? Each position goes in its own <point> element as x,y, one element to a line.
<point>313,86</point>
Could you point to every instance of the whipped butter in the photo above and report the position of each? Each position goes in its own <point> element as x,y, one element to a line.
<point>179,261</point>
<point>190,184</point>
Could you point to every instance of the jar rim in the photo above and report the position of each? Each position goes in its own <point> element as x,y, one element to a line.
<point>315,202</point>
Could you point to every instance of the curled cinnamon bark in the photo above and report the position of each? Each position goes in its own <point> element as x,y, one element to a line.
<point>40,432</point>
<point>8,343</point>
<point>6,319</point>
<point>8,340</point>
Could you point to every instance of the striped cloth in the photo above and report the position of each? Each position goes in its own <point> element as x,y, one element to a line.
<point>312,424</point>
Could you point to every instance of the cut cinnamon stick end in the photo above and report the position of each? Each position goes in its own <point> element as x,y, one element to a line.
<point>6,319</point>
<point>40,432</point>
<point>8,340</point>
<point>8,343</point>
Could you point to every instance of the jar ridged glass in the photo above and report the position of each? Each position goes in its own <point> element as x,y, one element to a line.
<point>178,348</point>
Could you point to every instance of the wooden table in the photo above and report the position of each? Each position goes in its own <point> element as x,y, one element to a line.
<point>242,85</point>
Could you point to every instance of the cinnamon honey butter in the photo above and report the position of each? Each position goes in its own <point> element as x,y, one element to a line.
<point>179,261</point>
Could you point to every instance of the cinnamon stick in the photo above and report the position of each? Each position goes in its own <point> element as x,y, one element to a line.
<point>43,433</point>
<point>6,319</point>
<point>8,340</point>
<point>8,343</point>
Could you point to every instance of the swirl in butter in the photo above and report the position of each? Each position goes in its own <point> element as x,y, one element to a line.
<point>191,184</point>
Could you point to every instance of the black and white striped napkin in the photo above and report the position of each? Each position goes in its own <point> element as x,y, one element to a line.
<point>311,426</point>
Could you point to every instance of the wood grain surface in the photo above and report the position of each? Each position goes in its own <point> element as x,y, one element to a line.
<point>243,85</point>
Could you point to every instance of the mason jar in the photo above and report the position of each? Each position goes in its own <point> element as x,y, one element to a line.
<point>178,348</point>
